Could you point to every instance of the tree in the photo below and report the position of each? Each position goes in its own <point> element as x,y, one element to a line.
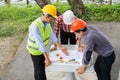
<point>110,2</point>
<point>41,3</point>
<point>77,7</point>
<point>27,1</point>
<point>7,2</point>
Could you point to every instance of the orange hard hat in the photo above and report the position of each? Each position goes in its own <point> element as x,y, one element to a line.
<point>77,24</point>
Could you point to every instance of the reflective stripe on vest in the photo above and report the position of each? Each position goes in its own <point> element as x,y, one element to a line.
<point>45,34</point>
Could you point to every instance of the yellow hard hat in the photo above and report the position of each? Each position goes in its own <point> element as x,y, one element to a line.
<point>50,9</point>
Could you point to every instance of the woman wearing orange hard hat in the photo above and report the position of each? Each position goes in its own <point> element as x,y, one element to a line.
<point>40,32</point>
<point>94,40</point>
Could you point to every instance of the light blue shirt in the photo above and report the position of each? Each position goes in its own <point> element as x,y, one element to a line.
<point>35,34</point>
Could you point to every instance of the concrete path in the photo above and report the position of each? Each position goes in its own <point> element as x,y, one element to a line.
<point>21,67</point>
<point>119,75</point>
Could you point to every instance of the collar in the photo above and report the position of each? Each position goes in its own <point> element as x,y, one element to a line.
<point>43,24</point>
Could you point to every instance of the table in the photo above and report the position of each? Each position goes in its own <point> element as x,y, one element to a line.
<point>66,64</point>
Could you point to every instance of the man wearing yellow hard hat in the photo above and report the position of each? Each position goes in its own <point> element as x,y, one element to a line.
<point>40,32</point>
<point>96,41</point>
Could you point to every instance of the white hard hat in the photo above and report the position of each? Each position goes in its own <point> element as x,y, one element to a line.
<point>68,17</point>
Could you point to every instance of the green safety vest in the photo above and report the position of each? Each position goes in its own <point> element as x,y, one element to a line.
<point>45,34</point>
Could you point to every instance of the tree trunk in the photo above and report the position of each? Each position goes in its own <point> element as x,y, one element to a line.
<point>7,2</point>
<point>27,2</point>
<point>77,7</point>
<point>57,0</point>
<point>101,1</point>
<point>42,3</point>
<point>93,0</point>
<point>110,2</point>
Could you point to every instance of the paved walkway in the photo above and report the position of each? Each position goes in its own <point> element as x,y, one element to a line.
<point>119,75</point>
<point>21,67</point>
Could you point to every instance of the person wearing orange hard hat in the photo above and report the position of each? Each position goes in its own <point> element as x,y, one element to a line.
<point>40,32</point>
<point>94,40</point>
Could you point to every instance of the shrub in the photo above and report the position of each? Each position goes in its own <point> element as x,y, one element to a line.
<point>14,20</point>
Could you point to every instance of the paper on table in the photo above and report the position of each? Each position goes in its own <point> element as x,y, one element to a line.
<point>58,56</point>
<point>65,64</point>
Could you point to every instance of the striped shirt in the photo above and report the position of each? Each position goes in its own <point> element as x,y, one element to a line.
<point>59,24</point>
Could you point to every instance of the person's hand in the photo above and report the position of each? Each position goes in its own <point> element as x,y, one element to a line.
<point>47,62</point>
<point>81,69</point>
<point>81,48</point>
<point>53,47</point>
<point>65,51</point>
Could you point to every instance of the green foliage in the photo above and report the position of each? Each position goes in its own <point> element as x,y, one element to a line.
<point>15,20</point>
<point>28,13</point>
<point>102,12</point>
<point>62,7</point>
<point>12,28</point>
<point>6,31</point>
<point>95,12</point>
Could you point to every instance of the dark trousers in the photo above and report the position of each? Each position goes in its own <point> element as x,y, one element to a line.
<point>103,66</point>
<point>39,67</point>
<point>65,36</point>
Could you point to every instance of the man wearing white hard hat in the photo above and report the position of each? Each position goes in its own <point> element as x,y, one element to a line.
<point>68,17</point>
<point>61,26</point>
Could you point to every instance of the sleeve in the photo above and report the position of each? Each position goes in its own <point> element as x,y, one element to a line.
<point>36,35</point>
<point>89,42</point>
<point>53,38</point>
<point>57,27</point>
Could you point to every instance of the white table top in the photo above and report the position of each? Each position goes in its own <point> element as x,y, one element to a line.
<point>63,63</point>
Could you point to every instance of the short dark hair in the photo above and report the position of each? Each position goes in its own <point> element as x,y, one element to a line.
<point>47,14</point>
<point>84,29</point>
